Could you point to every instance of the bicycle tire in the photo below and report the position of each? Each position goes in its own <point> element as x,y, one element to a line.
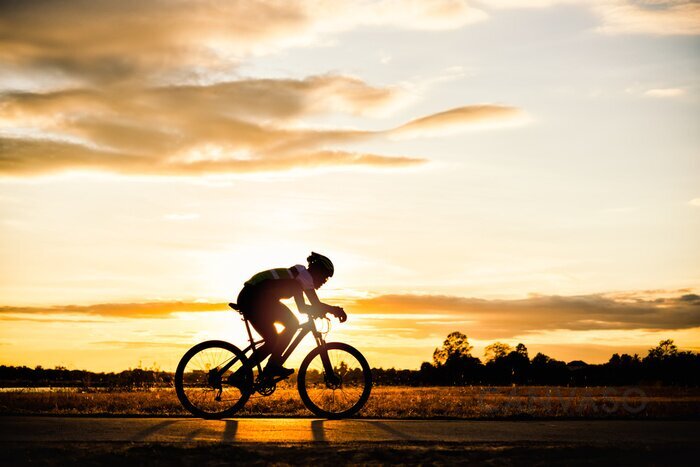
<point>307,381</point>
<point>205,406</point>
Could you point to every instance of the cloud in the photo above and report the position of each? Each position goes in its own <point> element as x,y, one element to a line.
<point>664,92</point>
<point>519,4</point>
<point>694,202</point>
<point>119,310</point>
<point>417,14</point>
<point>155,41</point>
<point>418,316</point>
<point>507,318</point>
<point>234,127</point>
<point>655,17</point>
<point>24,316</point>
<point>147,86</point>
<point>20,157</point>
<point>170,40</point>
<point>457,119</point>
<point>116,41</point>
<point>258,99</point>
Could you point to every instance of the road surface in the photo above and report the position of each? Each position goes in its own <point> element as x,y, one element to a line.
<point>295,430</point>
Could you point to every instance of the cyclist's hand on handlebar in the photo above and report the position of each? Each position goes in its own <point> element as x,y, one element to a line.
<point>339,313</point>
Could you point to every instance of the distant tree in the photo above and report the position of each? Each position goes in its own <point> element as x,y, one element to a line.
<point>428,373</point>
<point>453,363</point>
<point>664,350</point>
<point>546,370</point>
<point>540,359</point>
<point>506,365</point>
<point>665,364</point>
<point>522,350</point>
<point>614,360</point>
<point>456,345</point>
<point>620,370</point>
<point>497,350</point>
<point>519,364</point>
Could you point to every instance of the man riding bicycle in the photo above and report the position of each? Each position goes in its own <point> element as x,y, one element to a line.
<point>259,301</point>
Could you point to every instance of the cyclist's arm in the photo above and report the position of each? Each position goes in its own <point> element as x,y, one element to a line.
<point>319,306</point>
<point>301,303</point>
<point>316,307</point>
<point>315,302</point>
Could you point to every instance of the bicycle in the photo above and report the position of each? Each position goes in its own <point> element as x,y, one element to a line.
<point>215,379</point>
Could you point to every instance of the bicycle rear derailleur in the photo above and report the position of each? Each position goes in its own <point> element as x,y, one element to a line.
<point>214,380</point>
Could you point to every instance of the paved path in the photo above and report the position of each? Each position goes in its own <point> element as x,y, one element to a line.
<point>178,430</point>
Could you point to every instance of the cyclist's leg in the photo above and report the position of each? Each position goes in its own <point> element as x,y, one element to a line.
<point>254,304</point>
<point>283,315</point>
<point>263,323</point>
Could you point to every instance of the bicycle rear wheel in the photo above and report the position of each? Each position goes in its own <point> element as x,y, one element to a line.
<point>336,395</point>
<point>206,391</point>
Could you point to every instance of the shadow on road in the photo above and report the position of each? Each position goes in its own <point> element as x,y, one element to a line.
<point>392,431</point>
<point>192,435</point>
<point>317,430</point>
<point>143,434</point>
<point>230,430</point>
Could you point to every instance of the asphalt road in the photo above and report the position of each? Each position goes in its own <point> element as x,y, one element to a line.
<point>294,430</point>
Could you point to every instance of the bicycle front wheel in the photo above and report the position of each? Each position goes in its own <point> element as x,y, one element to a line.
<point>204,388</point>
<point>340,393</point>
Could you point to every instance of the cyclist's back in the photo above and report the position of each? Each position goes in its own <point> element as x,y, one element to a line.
<point>277,284</point>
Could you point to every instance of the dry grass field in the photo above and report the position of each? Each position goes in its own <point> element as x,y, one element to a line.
<point>526,402</point>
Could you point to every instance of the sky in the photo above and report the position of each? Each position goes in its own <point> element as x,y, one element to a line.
<point>520,171</point>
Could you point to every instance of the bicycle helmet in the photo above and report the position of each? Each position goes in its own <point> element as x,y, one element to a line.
<point>321,262</point>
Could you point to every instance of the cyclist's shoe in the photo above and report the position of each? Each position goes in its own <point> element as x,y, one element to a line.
<point>274,371</point>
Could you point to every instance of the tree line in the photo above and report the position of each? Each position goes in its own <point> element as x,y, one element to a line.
<point>453,365</point>
<point>138,378</point>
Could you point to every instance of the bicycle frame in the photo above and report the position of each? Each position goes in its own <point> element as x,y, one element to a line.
<point>301,332</point>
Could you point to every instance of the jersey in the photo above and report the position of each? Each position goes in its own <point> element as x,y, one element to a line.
<point>282,283</point>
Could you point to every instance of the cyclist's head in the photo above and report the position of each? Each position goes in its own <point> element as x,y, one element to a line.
<point>320,268</point>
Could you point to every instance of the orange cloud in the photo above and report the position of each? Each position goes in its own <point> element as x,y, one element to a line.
<point>657,17</point>
<point>505,318</point>
<point>457,119</point>
<point>121,310</point>
<point>126,110</point>
<point>234,127</point>
<point>127,40</point>
<point>421,315</point>
<point>661,17</point>
<point>29,157</point>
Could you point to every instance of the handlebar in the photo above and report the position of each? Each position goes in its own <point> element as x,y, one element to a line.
<point>315,314</point>
<point>320,314</point>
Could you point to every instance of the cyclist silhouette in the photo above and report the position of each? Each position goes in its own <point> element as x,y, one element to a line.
<point>259,301</point>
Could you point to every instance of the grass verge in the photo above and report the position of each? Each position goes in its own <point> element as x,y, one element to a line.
<point>392,402</point>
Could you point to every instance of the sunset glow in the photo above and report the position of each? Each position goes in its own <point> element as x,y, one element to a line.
<point>520,171</point>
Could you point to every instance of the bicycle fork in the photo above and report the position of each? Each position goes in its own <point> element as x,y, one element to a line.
<point>332,380</point>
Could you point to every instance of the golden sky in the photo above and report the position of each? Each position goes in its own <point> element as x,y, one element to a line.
<point>523,171</point>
